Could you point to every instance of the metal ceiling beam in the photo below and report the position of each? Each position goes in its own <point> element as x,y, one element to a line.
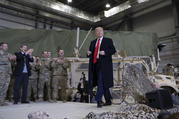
<point>19,10</point>
<point>66,15</point>
<point>15,7</point>
<point>29,13</point>
<point>59,9</point>
<point>135,11</point>
<point>149,7</point>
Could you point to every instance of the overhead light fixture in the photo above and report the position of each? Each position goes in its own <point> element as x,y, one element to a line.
<point>108,5</point>
<point>117,9</point>
<point>69,1</point>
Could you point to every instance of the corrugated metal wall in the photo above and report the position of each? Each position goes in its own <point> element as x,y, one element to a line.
<point>16,20</point>
<point>162,22</point>
<point>170,53</point>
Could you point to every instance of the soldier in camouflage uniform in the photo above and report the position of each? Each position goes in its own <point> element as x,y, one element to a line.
<point>44,76</point>
<point>168,70</point>
<point>49,54</point>
<point>32,86</point>
<point>5,71</point>
<point>11,84</point>
<point>59,77</point>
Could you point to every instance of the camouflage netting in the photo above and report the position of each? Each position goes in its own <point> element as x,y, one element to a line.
<point>134,43</point>
<point>38,115</point>
<point>136,84</point>
<point>136,111</point>
<point>133,86</point>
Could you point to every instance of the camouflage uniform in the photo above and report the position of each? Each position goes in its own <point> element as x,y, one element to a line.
<point>44,78</point>
<point>5,72</point>
<point>168,70</point>
<point>32,85</point>
<point>11,84</point>
<point>59,79</point>
<point>171,71</point>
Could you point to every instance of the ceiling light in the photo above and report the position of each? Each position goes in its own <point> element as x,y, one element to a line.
<point>108,5</point>
<point>69,1</point>
<point>117,9</point>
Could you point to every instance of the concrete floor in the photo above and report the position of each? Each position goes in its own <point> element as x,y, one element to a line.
<point>59,110</point>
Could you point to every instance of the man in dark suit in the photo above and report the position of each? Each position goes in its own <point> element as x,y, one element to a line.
<point>22,73</point>
<point>100,66</point>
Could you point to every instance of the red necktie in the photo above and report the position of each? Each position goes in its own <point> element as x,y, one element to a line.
<point>96,51</point>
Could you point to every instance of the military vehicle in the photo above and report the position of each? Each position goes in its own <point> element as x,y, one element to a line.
<point>148,64</point>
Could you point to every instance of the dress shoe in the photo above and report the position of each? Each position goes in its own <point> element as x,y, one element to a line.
<point>107,104</point>
<point>25,102</point>
<point>15,102</point>
<point>99,105</point>
<point>102,102</point>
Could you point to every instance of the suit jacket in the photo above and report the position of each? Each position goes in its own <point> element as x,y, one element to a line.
<point>105,62</point>
<point>20,58</point>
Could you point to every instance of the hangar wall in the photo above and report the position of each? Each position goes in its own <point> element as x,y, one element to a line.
<point>162,22</point>
<point>8,20</point>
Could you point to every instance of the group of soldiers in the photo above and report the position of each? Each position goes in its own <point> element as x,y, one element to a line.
<point>48,80</point>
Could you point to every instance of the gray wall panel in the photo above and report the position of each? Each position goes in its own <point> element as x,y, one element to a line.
<point>160,21</point>
<point>170,53</point>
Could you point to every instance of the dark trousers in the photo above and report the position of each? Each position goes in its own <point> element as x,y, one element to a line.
<point>21,79</point>
<point>101,90</point>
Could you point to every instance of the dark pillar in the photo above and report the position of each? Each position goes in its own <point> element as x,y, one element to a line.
<point>128,22</point>
<point>45,26</point>
<point>175,4</point>
<point>36,19</point>
<point>51,25</point>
